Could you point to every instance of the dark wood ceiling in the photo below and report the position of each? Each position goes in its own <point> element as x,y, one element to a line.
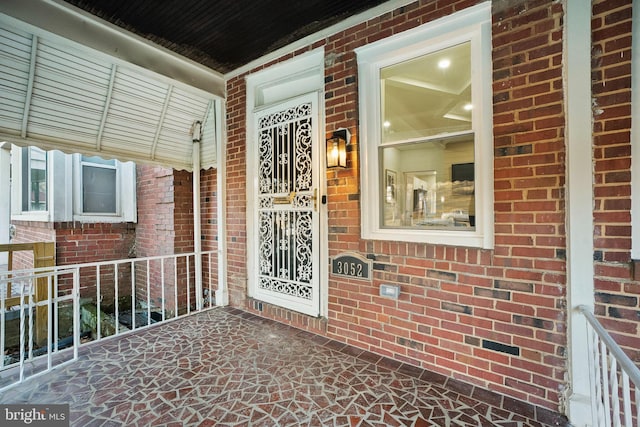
<point>224,34</point>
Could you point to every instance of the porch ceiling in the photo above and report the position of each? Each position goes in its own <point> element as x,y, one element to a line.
<point>127,78</point>
<point>224,34</point>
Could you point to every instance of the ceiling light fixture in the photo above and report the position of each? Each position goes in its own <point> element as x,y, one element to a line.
<point>444,63</point>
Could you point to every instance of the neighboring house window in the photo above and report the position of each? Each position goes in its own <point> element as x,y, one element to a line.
<point>103,189</point>
<point>425,102</point>
<point>53,186</point>
<point>99,184</point>
<point>34,179</point>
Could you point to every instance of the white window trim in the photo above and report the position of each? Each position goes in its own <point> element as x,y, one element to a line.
<point>472,24</point>
<point>79,194</point>
<point>126,210</point>
<point>17,214</point>
<point>295,77</point>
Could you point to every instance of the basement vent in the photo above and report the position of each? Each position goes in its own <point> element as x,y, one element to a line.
<point>502,348</point>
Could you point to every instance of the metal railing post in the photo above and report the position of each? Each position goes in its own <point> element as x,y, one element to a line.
<point>607,361</point>
<point>34,359</point>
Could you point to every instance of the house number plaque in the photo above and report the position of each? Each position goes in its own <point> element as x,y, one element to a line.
<point>352,265</point>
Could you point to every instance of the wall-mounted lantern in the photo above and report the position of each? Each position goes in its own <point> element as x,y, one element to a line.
<point>337,149</point>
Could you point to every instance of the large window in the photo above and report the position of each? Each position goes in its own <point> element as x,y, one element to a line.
<point>34,179</point>
<point>427,148</point>
<point>425,102</point>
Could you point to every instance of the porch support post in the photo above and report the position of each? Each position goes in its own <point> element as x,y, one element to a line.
<point>635,129</point>
<point>579,204</point>
<point>222,293</point>
<point>197,233</point>
<point>5,197</point>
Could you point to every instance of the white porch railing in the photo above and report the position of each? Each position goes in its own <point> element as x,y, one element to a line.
<point>30,355</point>
<point>89,302</point>
<point>615,379</point>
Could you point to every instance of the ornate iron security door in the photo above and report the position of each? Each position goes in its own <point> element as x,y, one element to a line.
<point>287,212</point>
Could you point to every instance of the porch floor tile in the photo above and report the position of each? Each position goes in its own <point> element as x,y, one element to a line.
<point>231,368</point>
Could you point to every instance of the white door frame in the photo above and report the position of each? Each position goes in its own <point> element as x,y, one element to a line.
<point>298,76</point>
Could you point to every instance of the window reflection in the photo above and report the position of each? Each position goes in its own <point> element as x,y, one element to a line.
<point>429,184</point>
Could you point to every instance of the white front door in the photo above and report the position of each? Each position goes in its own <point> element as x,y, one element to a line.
<point>286,222</point>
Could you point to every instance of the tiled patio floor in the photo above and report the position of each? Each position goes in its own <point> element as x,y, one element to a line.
<point>230,368</point>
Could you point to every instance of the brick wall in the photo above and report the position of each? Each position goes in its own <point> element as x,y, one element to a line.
<point>165,226</point>
<point>494,318</point>
<point>155,232</point>
<point>183,231</point>
<point>617,293</point>
<point>524,298</point>
<point>236,191</point>
<point>78,243</point>
<point>28,232</point>
<point>183,211</point>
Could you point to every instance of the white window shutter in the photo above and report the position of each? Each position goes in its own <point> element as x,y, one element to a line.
<point>128,191</point>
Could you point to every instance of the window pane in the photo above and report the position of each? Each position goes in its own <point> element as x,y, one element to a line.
<point>426,96</point>
<point>429,185</point>
<point>34,179</point>
<point>98,190</point>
